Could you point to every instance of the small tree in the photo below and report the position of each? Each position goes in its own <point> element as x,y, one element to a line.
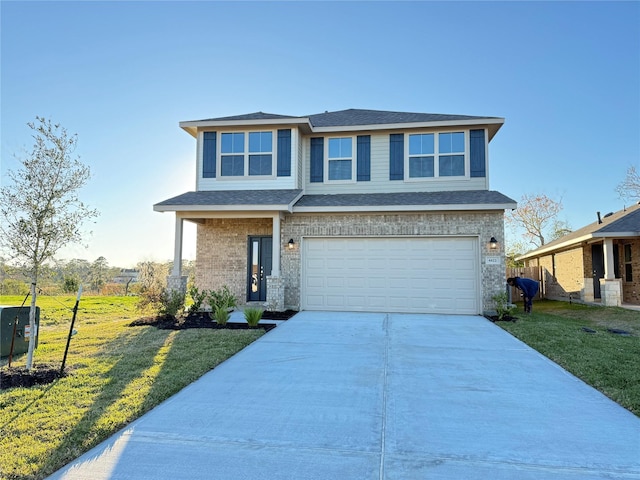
<point>40,208</point>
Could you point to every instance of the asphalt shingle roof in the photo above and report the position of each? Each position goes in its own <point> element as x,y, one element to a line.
<point>464,197</point>
<point>285,197</point>
<point>233,197</point>
<point>354,116</point>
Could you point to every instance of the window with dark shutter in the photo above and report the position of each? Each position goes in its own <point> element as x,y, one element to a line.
<point>209,155</point>
<point>364,158</point>
<point>396,156</point>
<point>284,153</point>
<point>316,174</point>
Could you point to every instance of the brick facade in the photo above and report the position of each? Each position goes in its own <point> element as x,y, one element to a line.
<point>570,272</point>
<point>630,289</point>
<point>221,254</point>
<point>222,245</point>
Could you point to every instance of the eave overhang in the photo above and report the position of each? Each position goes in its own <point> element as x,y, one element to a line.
<point>574,242</point>
<point>192,127</point>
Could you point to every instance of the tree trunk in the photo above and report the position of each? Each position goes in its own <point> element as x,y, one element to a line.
<point>32,327</point>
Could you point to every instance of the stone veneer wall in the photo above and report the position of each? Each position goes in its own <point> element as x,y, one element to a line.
<point>221,255</point>
<point>483,224</point>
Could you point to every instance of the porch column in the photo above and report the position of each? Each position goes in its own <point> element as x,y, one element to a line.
<point>610,287</point>
<point>175,281</point>
<point>608,259</point>
<point>177,252</point>
<point>275,283</point>
<point>275,256</point>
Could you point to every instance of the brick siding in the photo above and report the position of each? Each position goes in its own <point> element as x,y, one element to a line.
<point>221,257</point>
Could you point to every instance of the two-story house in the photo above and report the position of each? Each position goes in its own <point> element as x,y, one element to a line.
<point>355,210</point>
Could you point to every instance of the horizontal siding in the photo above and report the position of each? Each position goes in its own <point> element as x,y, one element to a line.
<point>380,176</point>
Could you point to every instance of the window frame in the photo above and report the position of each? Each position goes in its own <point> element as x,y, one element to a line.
<point>246,154</point>
<point>437,154</point>
<point>353,158</point>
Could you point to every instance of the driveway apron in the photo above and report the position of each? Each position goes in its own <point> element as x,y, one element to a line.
<point>377,396</point>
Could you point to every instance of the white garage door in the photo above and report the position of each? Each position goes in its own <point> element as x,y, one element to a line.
<point>425,275</point>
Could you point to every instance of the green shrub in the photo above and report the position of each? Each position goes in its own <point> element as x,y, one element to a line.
<point>503,307</point>
<point>252,316</point>
<point>221,315</point>
<point>162,302</point>
<point>222,298</point>
<point>198,298</point>
<point>171,303</point>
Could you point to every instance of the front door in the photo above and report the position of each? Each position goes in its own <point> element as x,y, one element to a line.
<point>597,262</point>
<point>259,261</point>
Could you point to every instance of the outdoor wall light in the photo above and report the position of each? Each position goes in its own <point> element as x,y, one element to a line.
<point>493,243</point>
<point>291,244</point>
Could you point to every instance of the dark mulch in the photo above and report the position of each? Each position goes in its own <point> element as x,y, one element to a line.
<point>506,318</point>
<point>168,322</point>
<point>286,315</point>
<point>21,377</point>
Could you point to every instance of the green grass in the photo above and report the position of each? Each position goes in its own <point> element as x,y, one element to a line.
<point>116,373</point>
<point>608,362</point>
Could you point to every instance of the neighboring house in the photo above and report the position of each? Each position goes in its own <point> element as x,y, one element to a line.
<point>127,275</point>
<point>599,262</point>
<point>355,210</point>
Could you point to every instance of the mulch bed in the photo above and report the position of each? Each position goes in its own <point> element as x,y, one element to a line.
<point>21,377</point>
<point>168,322</point>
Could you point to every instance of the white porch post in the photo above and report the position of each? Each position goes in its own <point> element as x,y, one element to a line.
<point>175,281</point>
<point>610,287</point>
<point>275,283</point>
<point>608,259</point>
<point>275,257</point>
<point>177,253</point>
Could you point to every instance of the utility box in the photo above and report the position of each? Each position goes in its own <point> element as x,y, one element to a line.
<point>20,317</point>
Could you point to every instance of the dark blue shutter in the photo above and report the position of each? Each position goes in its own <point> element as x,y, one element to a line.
<point>209,155</point>
<point>317,160</point>
<point>284,153</point>
<point>396,156</point>
<point>364,158</point>
<point>477,153</point>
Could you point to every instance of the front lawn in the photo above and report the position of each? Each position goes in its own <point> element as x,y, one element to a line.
<point>580,339</point>
<point>115,374</point>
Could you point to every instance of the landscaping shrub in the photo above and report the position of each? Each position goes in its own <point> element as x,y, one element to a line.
<point>253,316</point>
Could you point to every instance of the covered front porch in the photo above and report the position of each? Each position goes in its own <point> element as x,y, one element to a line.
<point>239,243</point>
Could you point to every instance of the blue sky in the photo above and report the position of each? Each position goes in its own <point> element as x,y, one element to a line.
<point>564,75</point>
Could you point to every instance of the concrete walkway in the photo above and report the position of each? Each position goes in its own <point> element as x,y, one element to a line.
<point>375,396</point>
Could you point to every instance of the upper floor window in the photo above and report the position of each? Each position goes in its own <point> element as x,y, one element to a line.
<point>340,158</point>
<point>242,152</point>
<point>628,272</point>
<point>436,155</point>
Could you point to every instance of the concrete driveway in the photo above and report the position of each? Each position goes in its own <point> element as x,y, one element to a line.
<point>375,396</point>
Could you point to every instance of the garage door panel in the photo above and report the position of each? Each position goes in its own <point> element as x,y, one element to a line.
<point>438,275</point>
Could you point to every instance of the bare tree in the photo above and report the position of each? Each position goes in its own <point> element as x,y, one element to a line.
<point>629,188</point>
<point>536,214</point>
<point>40,208</point>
